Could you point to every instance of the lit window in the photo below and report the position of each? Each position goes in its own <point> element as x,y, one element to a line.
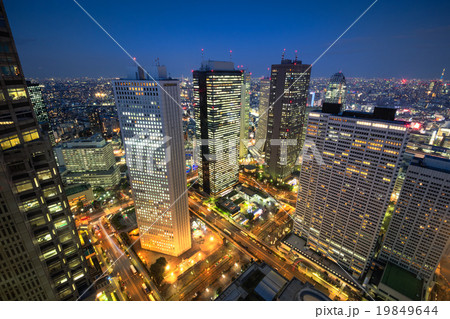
<point>9,142</point>
<point>30,135</point>
<point>17,94</point>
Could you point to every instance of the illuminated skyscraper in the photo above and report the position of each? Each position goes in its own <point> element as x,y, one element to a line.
<point>244,115</point>
<point>261,129</point>
<point>337,89</point>
<point>419,231</point>
<point>217,106</point>
<point>40,255</point>
<point>35,92</point>
<point>152,131</point>
<point>286,116</point>
<point>350,163</point>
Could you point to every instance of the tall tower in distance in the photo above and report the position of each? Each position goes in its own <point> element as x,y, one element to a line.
<point>35,92</point>
<point>217,107</point>
<point>245,115</point>
<point>41,256</point>
<point>337,89</point>
<point>289,87</point>
<point>419,231</point>
<point>347,177</point>
<point>150,119</point>
<point>261,129</point>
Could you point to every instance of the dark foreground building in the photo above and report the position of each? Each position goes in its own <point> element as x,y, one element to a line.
<point>40,255</point>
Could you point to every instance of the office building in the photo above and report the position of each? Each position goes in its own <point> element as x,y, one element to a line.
<point>41,257</point>
<point>95,120</point>
<point>419,231</point>
<point>217,106</point>
<point>350,163</point>
<point>35,93</point>
<point>89,160</point>
<point>289,89</point>
<point>261,129</point>
<point>244,115</point>
<point>152,132</point>
<point>336,90</point>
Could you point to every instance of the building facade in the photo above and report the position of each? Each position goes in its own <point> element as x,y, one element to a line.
<point>35,93</point>
<point>217,107</point>
<point>261,129</point>
<point>90,160</point>
<point>289,86</point>
<point>350,164</point>
<point>41,256</point>
<point>151,126</point>
<point>336,90</point>
<point>419,231</point>
<point>244,115</point>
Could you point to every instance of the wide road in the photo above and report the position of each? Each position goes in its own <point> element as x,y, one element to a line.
<point>253,246</point>
<point>204,279</point>
<point>121,265</point>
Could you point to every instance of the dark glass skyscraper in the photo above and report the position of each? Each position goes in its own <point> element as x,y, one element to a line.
<point>35,92</point>
<point>40,255</point>
<point>286,116</point>
<point>217,98</point>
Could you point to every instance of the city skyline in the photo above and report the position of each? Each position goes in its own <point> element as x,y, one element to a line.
<point>222,184</point>
<point>415,37</point>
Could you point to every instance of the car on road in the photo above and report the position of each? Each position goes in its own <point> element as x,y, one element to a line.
<point>145,288</point>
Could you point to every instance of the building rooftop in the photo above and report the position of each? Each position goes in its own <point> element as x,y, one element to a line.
<point>94,141</point>
<point>433,162</point>
<point>217,66</point>
<point>296,290</point>
<point>378,117</point>
<point>402,281</point>
<point>259,282</point>
<point>76,188</point>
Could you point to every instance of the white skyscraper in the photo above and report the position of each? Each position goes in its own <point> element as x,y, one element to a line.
<point>419,231</point>
<point>151,126</point>
<point>350,164</point>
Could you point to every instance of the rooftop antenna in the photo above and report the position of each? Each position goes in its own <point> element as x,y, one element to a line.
<point>295,55</point>
<point>203,51</point>
<point>231,55</point>
<point>157,61</point>
<point>442,75</point>
<point>282,54</point>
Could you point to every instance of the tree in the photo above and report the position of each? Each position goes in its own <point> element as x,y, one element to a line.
<point>157,269</point>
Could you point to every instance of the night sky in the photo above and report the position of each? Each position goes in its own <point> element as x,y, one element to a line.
<point>396,38</point>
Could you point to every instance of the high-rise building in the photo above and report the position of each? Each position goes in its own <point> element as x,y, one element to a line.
<point>261,129</point>
<point>419,231</point>
<point>95,120</point>
<point>89,160</point>
<point>217,106</point>
<point>41,257</point>
<point>152,132</point>
<point>244,115</point>
<point>337,89</point>
<point>350,163</point>
<point>35,93</point>
<point>289,87</point>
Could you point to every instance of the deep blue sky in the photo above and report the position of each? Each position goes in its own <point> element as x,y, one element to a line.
<point>396,38</point>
